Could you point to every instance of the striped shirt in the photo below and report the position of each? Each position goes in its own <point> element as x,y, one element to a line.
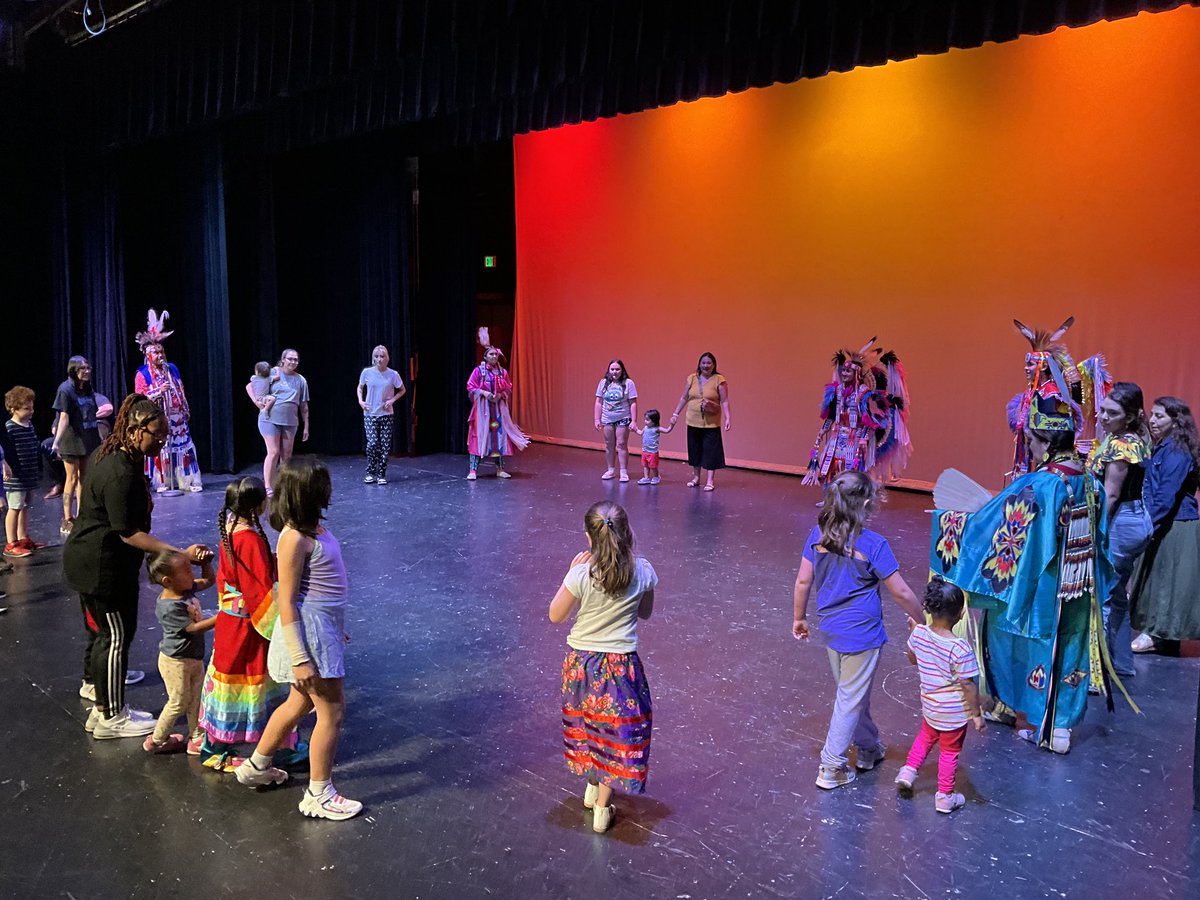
<point>23,455</point>
<point>942,663</point>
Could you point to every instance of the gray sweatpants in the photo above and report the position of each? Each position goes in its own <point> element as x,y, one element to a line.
<point>851,719</point>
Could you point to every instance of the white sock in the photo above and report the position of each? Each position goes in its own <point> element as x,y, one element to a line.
<point>260,761</point>
<point>317,788</point>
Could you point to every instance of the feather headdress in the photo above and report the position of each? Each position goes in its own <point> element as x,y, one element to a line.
<point>1049,345</point>
<point>154,333</point>
<point>485,341</point>
<point>857,357</point>
<point>1047,405</point>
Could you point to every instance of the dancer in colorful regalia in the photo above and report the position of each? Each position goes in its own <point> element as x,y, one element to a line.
<point>491,432</point>
<point>176,465</point>
<point>1050,373</point>
<point>864,416</point>
<point>1032,562</point>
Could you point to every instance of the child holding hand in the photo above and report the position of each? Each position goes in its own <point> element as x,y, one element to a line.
<point>949,697</point>
<point>181,652</point>
<point>650,431</point>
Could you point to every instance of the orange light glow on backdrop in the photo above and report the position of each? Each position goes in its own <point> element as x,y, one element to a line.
<point>928,202</point>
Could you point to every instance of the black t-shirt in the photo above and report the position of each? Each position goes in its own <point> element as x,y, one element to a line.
<point>115,504</point>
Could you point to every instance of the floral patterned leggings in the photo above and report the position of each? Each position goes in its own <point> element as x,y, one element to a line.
<point>379,444</point>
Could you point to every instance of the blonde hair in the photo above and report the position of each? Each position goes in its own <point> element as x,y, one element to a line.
<point>384,349</point>
<point>607,524</point>
<point>846,510</point>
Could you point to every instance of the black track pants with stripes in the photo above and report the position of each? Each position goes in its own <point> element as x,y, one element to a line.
<point>116,625</point>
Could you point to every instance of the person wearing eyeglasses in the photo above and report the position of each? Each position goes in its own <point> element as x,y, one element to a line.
<point>286,413</point>
<point>76,433</point>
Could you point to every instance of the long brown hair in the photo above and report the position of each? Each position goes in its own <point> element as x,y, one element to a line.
<point>301,496</point>
<point>607,524</point>
<point>137,411</point>
<point>1184,433</point>
<point>846,509</point>
<point>1128,396</point>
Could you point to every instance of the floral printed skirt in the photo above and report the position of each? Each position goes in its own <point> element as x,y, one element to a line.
<point>607,718</point>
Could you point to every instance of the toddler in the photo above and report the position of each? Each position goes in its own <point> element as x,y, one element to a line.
<point>844,565</point>
<point>650,432</point>
<point>22,463</point>
<point>181,652</point>
<point>949,698</point>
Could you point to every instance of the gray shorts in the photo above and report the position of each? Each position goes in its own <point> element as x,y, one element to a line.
<point>267,428</point>
<point>19,499</point>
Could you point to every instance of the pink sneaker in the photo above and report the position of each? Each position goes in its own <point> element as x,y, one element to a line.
<point>173,744</point>
<point>194,745</point>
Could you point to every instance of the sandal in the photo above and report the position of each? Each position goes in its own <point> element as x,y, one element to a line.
<point>710,487</point>
<point>693,482</point>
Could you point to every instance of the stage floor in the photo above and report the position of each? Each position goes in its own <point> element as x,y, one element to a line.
<point>452,736</point>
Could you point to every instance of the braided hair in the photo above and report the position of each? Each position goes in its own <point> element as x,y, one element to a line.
<point>243,499</point>
<point>612,566</point>
<point>137,411</point>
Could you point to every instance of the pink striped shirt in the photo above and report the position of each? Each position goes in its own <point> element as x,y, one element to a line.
<point>942,662</point>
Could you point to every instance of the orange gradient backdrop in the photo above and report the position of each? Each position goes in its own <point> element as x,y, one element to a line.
<point>928,202</point>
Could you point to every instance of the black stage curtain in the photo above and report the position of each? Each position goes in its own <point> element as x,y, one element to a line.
<point>485,70</point>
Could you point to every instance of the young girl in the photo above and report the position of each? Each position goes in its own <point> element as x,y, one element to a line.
<point>949,698</point>
<point>615,413</point>
<point>606,706</point>
<point>181,652</point>
<point>650,434</point>
<point>307,645</point>
<point>238,692</point>
<point>844,564</point>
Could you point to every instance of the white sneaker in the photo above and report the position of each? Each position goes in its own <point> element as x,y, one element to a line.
<point>1143,643</point>
<point>830,777</point>
<point>471,475</point>
<point>602,818</point>
<point>589,795</point>
<point>369,479</point>
<point>500,473</point>
<point>122,726</point>
<point>87,691</point>
<point>381,480</point>
<point>329,805</point>
<point>93,720</point>
<point>905,779</point>
<point>866,760</point>
<point>133,676</point>
<point>948,803</point>
<point>252,776</point>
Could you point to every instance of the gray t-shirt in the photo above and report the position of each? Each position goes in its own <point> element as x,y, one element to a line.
<point>262,388</point>
<point>381,386</point>
<point>174,617</point>
<point>604,623</point>
<point>289,392</point>
<point>615,398</point>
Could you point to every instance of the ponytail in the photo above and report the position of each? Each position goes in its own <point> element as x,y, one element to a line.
<point>841,520</point>
<point>607,524</point>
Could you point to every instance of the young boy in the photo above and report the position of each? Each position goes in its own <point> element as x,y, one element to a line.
<point>22,471</point>
<point>181,652</point>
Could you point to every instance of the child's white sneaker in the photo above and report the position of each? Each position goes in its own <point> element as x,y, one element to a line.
<point>904,780</point>
<point>866,760</point>
<point>830,777</point>
<point>602,818</point>
<point>948,803</point>
<point>644,480</point>
<point>252,776</point>
<point>655,480</point>
<point>589,795</point>
<point>329,804</point>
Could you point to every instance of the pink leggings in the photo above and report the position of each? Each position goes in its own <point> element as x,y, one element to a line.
<point>950,744</point>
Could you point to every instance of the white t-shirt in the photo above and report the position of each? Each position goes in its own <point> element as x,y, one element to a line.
<point>604,623</point>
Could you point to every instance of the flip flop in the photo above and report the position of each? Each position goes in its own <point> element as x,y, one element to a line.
<point>693,482</point>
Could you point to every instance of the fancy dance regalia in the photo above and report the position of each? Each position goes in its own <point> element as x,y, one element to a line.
<point>491,432</point>
<point>1050,374</point>
<point>864,416</point>
<point>1032,561</point>
<point>176,465</point>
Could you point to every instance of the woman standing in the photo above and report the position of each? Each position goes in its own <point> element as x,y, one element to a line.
<point>1119,461</point>
<point>104,555</point>
<point>616,410</point>
<point>75,433</point>
<point>491,432</point>
<point>1165,597</point>
<point>287,408</point>
<point>706,396</point>
<point>378,390</point>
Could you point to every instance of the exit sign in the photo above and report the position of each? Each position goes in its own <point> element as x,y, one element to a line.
<point>489,262</point>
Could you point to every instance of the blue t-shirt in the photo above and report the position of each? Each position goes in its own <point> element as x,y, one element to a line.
<point>849,608</point>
